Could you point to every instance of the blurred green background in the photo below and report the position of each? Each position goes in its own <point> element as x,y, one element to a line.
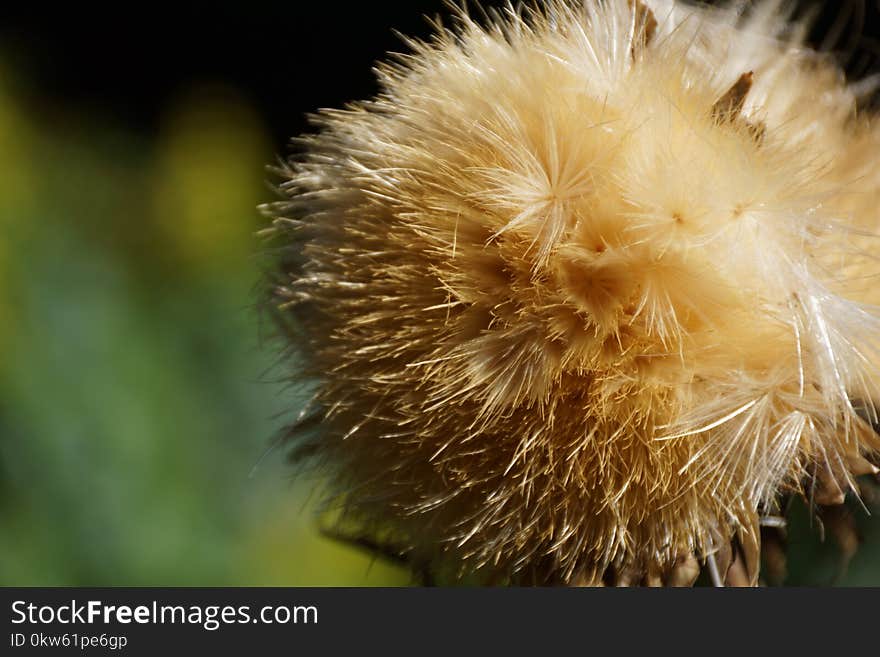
<point>138,403</point>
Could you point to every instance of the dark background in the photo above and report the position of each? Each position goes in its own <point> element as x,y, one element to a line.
<point>137,401</point>
<point>287,57</point>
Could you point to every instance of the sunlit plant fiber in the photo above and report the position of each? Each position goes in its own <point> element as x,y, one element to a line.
<point>586,290</point>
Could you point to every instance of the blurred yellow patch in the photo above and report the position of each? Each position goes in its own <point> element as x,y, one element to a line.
<point>209,178</point>
<point>17,197</point>
<point>288,550</point>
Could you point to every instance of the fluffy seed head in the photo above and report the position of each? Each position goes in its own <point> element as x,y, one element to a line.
<point>586,289</point>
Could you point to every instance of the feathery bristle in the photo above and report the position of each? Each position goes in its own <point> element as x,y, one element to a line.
<point>586,289</point>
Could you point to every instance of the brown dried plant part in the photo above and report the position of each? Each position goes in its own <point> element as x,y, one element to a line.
<point>644,24</point>
<point>583,292</point>
<point>730,106</point>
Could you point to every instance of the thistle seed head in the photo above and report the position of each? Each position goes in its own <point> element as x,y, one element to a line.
<point>586,288</point>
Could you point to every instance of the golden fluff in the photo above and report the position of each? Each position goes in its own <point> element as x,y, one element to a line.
<point>585,290</point>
